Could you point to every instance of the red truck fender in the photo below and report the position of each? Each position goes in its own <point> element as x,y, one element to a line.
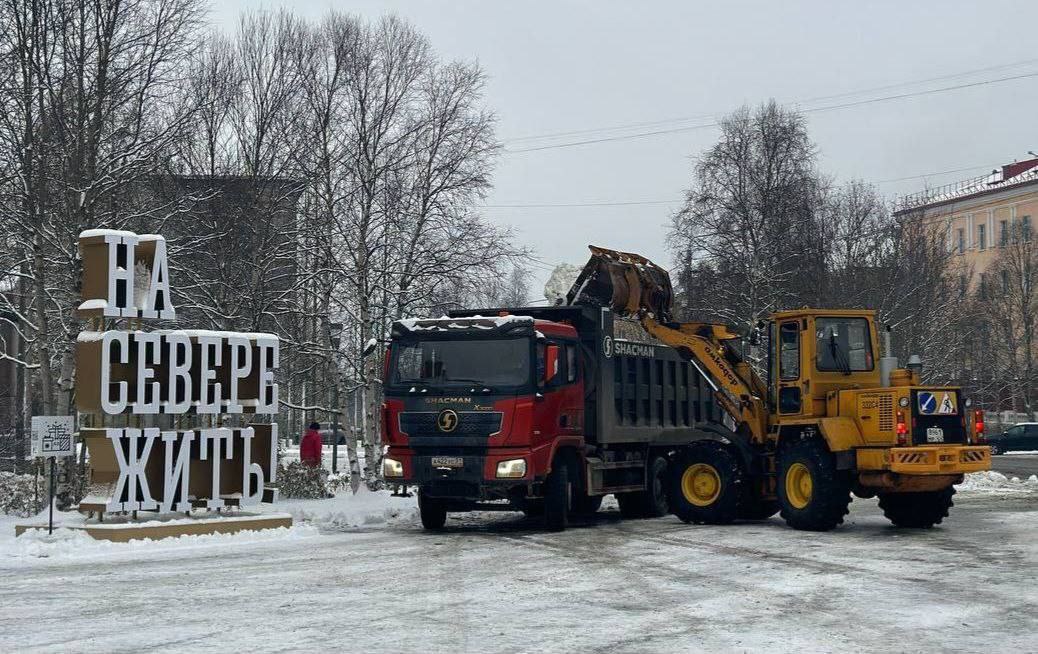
<point>576,442</point>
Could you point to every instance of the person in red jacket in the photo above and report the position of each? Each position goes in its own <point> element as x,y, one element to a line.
<point>310,446</point>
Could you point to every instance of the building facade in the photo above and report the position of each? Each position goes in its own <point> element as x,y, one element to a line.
<point>978,217</point>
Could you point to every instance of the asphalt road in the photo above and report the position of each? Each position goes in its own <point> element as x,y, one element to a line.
<point>1015,465</point>
<point>495,582</point>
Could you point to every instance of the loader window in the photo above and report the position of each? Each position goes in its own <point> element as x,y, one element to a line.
<point>789,351</point>
<point>843,345</point>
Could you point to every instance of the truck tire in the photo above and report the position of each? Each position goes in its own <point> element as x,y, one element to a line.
<point>652,502</point>
<point>705,485</point>
<point>813,494</point>
<point>432,511</point>
<point>557,497</point>
<point>917,510</point>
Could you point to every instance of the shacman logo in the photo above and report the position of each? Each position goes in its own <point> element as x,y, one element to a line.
<point>447,420</point>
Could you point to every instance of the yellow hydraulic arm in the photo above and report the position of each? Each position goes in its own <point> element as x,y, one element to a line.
<point>631,285</point>
<point>739,391</point>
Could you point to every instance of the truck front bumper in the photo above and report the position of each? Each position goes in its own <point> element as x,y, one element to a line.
<point>465,476</point>
<point>939,459</point>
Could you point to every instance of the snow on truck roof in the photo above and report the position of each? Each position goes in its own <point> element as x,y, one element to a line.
<point>445,323</point>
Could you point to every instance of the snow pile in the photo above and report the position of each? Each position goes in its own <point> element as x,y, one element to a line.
<point>75,544</point>
<point>995,482</point>
<point>561,280</point>
<point>346,510</point>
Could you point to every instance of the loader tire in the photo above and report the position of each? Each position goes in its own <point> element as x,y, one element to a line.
<point>706,484</point>
<point>651,502</point>
<point>557,497</point>
<point>433,512</point>
<point>917,510</point>
<point>813,494</point>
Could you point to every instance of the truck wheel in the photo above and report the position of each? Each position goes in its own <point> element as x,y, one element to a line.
<point>917,510</point>
<point>813,494</point>
<point>433,512</point>
<point>652,502</point>
<point>556,497</point>
<point>705,484</point>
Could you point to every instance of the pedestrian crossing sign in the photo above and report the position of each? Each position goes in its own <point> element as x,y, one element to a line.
<point>939,403</point>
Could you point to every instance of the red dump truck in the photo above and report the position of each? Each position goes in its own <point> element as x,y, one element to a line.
<point>542,410</point>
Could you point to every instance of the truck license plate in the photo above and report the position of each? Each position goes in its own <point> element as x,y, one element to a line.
<point>934,435</point>
<point>448,462</point>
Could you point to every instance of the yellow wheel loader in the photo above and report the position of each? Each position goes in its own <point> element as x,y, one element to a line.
<point>833,417</point>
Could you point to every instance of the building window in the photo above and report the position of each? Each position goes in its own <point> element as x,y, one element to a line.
<point>1003,233</point>
<point>1005,282</point>
<point>1025,227</point>
<point>962,240</point>
<point>983,286</point>
<point>982,237</point>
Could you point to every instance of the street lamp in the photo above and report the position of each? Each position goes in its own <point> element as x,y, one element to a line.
<point>335,337</point>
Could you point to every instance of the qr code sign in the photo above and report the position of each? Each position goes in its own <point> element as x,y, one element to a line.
<point>52,435</point>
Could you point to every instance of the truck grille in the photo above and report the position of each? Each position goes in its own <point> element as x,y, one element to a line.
<point>418,424</point>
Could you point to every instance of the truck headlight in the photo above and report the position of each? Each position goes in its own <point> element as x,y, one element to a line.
<point>511,469</point>
<point>392,468</point>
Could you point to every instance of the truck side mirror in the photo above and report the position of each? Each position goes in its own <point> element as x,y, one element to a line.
<point>551,363</point>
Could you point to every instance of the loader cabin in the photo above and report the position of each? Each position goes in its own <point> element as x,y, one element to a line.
<point>813,353</point>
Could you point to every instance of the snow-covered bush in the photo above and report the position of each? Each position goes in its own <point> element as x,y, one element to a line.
<point>17,494</point>
<point>302,481</point>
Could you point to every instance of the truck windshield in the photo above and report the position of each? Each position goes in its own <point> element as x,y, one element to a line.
<point>843,345</point>
<point>503,362</point>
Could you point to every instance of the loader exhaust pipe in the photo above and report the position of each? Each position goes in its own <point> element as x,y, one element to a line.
<point>627,283</point>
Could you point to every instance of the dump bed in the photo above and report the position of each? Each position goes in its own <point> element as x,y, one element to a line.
<point>637,390</point>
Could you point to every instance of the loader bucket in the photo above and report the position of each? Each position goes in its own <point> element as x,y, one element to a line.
<point>629,284</point>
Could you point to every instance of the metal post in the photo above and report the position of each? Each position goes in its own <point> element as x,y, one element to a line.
<point>50,519</point>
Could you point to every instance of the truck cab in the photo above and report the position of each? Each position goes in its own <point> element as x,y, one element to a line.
<point>476,407</point>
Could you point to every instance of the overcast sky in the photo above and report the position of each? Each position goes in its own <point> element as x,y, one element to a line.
<point>565,66</point>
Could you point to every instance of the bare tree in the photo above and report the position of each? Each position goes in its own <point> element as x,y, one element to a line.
<point>751,213</point>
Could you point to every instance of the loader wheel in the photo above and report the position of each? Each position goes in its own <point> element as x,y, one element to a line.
<point>705,485</point>
<point>556,497</point>
<point>651,502</point>
<point>813,494</point>
<point>432,511</point>
<point>917,510</point>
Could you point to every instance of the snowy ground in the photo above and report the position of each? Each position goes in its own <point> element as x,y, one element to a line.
<point>358,573</point>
